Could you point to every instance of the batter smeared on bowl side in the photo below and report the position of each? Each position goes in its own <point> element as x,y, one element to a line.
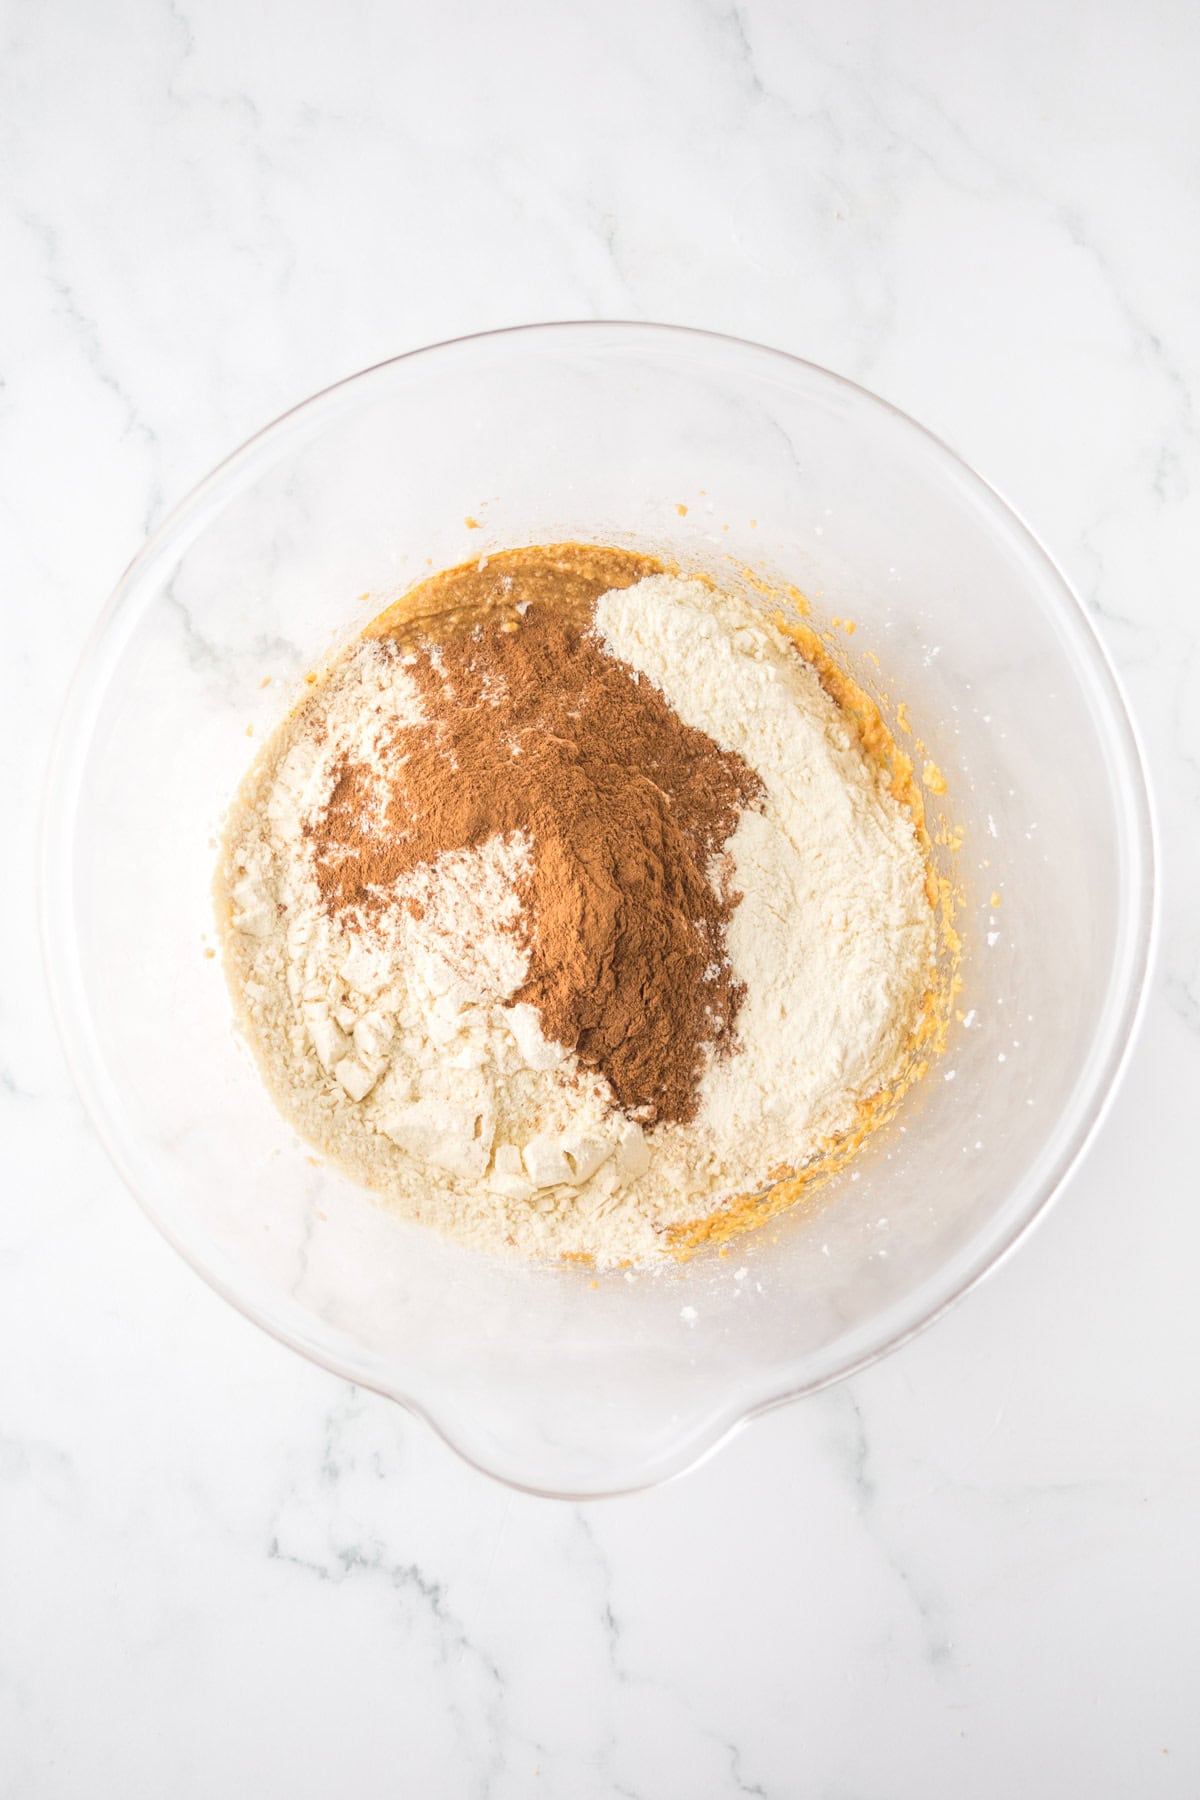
<point>568,909</point>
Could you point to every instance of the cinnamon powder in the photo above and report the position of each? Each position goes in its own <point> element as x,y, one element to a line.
<point>532,728</point>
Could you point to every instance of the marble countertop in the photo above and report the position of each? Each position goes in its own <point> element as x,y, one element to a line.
<point>970,1571</point>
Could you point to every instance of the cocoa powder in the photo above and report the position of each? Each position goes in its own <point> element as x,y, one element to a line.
<point>532,728</point>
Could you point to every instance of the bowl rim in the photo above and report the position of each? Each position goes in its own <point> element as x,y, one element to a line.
<point>1128,780</point>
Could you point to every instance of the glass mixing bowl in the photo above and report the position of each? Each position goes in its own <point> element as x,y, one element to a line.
<point>560,1380</point>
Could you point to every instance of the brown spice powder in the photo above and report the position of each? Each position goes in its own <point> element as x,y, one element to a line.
<point>532,728</point>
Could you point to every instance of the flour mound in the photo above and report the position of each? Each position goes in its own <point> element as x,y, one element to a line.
<point>400,1047</point>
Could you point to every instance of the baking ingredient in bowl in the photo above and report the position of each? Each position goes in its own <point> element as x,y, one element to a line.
<point>567,917</point>
<point>535,737</point>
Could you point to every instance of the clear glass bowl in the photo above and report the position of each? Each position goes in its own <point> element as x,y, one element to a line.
<point>558,1380</point>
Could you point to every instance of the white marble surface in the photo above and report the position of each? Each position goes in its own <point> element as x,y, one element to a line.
<point>972,1571</point>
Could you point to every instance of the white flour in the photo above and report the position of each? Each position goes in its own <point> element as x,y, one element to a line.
<point>394,1052</point>
<point>833,937</point>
